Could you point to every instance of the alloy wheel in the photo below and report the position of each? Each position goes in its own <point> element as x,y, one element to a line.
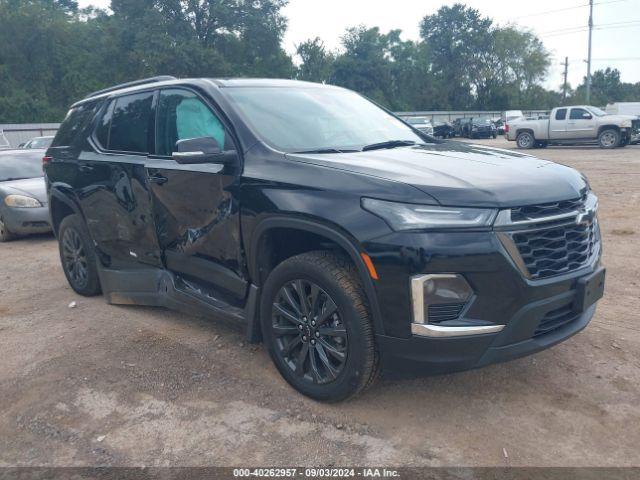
<point>609,139</point>
<point>74,257</point>
<point>310,336</point>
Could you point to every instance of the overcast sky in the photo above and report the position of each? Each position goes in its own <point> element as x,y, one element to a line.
<point>613,45</point>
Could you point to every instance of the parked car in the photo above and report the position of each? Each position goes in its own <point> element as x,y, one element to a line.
<point>571,125</point>
<point>23,199</point>
<point>37,142</point>
<point>443,130</point>
<point>457,126</point>
<point>343,239</point>
<point>499,124</point>
<point>421,123</point>
<point>478,128</point>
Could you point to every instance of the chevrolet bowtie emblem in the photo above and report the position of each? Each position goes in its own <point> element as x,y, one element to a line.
<point>585,218</point>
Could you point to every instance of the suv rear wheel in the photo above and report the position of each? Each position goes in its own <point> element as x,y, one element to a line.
<point>525,140</point>
<point>317,326</point>
<point>78,256</point>
<point>609,138</point>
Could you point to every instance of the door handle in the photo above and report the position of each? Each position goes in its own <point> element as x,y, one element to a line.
<point>85,168</point>
<point>157,179</point>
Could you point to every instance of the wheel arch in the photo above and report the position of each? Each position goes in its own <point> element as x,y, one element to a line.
<point>263,233</point>
<point>60,206</point>
<point>608,127</point>
<point>525,130</point>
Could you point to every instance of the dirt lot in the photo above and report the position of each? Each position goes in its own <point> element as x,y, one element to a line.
<point>112,385</point>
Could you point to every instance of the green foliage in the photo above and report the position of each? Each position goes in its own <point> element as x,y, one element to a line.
<point>606,87</point>
<point>52,54</point>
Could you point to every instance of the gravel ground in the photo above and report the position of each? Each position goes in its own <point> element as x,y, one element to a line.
<point>115,385</point>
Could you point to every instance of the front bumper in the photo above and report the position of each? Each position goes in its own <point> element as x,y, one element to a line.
<point>508,316</point>
<point>25,221</point>
<point>440,355</point>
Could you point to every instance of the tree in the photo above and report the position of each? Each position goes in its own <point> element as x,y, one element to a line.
<point>607,87</point>
<point>317,62</point>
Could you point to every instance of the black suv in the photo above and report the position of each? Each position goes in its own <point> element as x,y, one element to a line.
<point>345,239</point>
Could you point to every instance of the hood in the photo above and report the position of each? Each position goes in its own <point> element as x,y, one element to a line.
<point>460,174</point>
<point>31,187</point>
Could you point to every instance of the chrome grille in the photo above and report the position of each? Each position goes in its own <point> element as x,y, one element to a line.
<point>532,212</point>
<point>551,238</point>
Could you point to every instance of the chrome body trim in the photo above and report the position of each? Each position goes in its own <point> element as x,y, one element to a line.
<point>427,330</point>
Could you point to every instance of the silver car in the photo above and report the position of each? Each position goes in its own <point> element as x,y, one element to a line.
<point>421,123</point>
<point>23,197</point>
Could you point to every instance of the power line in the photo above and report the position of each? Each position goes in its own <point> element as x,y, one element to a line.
<point>607,26</point>
<point>582,5</point>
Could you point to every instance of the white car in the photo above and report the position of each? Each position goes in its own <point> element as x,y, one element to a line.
<point>421,123</point>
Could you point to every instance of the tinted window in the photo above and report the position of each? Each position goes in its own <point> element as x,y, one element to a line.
<point>76,121</point>
<point>182,115</point>
<point>130,123</point>
<point>577,113</point>
<point>102,130</point>
<point>17,165</point>
<point>561,114</point>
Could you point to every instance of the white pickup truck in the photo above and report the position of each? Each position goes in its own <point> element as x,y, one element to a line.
<point>571,125</point>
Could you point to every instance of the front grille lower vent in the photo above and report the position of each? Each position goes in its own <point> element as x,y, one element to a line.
<point>557,250</point>
<point>556,319</point>
<point>443,312</point>
<point>532,212</point>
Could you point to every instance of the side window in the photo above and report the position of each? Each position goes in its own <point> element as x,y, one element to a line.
<point>181,115</point>
<point>104,124</point>
<point>129,130</point>
<point>577,114</point>
<point>561,114</point>
<point>76,121</point>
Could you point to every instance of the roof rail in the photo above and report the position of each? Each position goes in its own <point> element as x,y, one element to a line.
<point>160,78</point>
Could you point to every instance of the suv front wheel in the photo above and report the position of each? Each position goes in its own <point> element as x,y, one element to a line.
<point>317,327</point>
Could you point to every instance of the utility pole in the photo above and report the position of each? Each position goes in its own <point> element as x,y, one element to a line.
<point>589,58</point>
<point>564,85</point>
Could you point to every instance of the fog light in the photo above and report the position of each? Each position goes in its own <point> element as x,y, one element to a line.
<point>442,296</point>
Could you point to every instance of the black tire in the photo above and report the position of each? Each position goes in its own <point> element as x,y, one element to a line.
<point>349,348</point>
<point>609,138</point>
<point>5,234</point>
<point>525,140</point>
<point>78,256</point>
<point>624,142</point>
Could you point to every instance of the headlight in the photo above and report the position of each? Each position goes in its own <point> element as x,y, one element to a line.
<point>407,216</point>
<point>21,201</point>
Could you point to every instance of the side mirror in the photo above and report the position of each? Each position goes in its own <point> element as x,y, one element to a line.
<point>587,116</point>
<point>202,150</point>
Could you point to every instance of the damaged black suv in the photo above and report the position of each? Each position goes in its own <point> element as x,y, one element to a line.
<point>345,240</point>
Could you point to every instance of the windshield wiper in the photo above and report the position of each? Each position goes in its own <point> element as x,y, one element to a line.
<point>388,144</point>
<point>11,179</point>
<point>328,150</point>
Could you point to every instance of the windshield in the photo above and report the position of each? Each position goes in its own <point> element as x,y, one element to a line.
<point>416,121</point>
<point>597,112</point>
<point>15,166</point>
<point>39,142</point>
<point>308,119</point>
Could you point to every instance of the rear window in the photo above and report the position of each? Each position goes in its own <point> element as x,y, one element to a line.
<point>77,119</point>
<point>19,165</point>
<point>130,121</point>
